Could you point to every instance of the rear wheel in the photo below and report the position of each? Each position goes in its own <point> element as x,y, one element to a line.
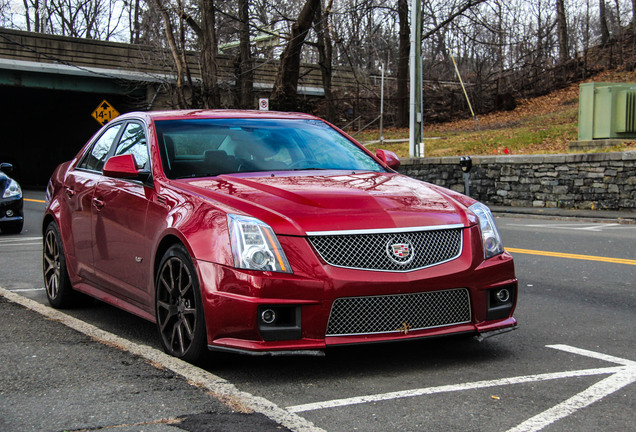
<point>178,306</point>
<point>56,281</point>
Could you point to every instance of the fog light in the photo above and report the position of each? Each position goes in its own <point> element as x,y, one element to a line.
<point>268,316</point>
<point>503,295</point>
<point>9,213</point>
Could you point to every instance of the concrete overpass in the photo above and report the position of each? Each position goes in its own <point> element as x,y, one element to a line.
<point>50,85</point>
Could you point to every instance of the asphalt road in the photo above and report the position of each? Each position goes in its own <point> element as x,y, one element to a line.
<point>570,366</point>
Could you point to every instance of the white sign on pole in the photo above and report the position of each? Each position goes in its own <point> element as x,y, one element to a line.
<point>263,104</point>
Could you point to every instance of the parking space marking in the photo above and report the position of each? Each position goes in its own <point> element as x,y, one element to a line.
<point>624,377</point>
<point>20,241</point>
<point>35,200</point>
<point>620,376</point>
<point>572,256</point>
<point>26,290</point>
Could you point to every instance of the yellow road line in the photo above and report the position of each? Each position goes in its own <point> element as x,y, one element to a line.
<point>34,200</point>
<point>573,256</point>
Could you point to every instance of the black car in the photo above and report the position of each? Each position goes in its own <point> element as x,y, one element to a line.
<point>11,214</point>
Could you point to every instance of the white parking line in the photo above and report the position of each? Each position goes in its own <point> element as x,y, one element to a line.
<point>620,377</point>
<point>4,245</point>
<point>18,239</point>
<point>26,290</point>
<point>625,376</point>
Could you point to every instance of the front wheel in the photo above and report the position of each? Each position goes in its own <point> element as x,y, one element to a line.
<point>178,306</point>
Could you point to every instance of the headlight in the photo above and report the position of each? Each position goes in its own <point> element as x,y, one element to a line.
<point>490,238</point>
<point>255,246</point>
<point>12,190</point>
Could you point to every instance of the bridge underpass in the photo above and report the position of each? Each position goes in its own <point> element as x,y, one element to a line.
<point>46,117</point>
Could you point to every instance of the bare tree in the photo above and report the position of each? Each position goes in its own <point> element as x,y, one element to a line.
<point>246,74</point>
<point>284,94</point>
<point>562,31</point>
<point>325,52</point>
<point>605,35</point>
<point>174,50</point>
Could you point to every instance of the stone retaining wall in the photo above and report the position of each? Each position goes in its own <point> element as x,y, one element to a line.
<point>596,181</point>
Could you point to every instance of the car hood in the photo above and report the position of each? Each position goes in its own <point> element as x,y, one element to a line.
<point>299,203</point>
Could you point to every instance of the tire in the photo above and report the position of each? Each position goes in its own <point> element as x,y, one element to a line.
<point>57,284</point>
<point>12,227</point>
<point>178,306</point>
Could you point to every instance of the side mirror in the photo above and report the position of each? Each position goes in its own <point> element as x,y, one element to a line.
<point>389,158</point>
<point>122,166</point>
<point>6,167</point>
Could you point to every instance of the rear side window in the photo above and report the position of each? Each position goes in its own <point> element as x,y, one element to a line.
<point>133,141</point>
<point>96,156</point>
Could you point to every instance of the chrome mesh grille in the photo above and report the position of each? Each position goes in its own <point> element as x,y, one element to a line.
<point>375,251</point>
<point>394,313</point>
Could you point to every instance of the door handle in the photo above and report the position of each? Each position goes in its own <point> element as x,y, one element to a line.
<point>99,204</point>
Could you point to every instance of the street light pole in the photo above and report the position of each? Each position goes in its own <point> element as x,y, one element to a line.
<point>415,64</point>
<point>382,105</point>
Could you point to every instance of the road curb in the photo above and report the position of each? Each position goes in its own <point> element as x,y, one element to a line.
<point>217,387</point>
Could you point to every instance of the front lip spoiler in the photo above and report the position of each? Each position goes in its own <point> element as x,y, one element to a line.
<point>309,352</point>
<point>480,337</point>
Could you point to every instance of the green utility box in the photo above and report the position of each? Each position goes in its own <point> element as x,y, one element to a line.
<point>607,111</point>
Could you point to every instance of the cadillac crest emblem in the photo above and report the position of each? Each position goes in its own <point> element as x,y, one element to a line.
<point>399,250</point>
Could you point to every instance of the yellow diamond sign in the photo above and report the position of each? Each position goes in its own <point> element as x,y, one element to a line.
<point>104,112</point>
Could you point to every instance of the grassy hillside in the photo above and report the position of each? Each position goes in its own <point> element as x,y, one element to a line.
<point>540,125</point>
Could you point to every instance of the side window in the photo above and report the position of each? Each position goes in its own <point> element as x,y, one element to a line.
<point>95,158</point>
<point>133,141</point>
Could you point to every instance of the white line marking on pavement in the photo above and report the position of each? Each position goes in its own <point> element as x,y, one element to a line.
<point>598,227</point>
<point>452,388</point>
<point>218,387</point>
<point>19,239</point>
<point>26,290</point>
<point>5,245</point>
<point>620,377</point>
<point>624,377</point>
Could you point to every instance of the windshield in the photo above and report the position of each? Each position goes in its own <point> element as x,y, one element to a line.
<point>209,147</point>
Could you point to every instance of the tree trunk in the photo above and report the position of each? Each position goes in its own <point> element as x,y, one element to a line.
<point>404,48</point>
<point>325,52</point>
<point>562,31</point>
<point>605,35</point>
<point>176,57</point>
<point>246,74</point>
<point>284,94</point>
<point>207,37</point>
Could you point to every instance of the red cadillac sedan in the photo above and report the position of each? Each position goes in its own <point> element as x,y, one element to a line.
<point>268,233</point>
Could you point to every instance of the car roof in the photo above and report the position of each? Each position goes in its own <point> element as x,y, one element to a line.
<point>218,113</point>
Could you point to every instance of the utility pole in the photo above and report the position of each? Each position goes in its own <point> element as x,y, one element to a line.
<point>382,106</point>
<point>415,64</point>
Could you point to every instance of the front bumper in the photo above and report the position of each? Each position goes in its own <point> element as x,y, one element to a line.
<point>11,210</point>
<point>235,300</point>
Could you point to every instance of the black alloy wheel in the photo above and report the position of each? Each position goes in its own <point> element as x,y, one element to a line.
<point>178,307</point>
<point>56,281</point>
